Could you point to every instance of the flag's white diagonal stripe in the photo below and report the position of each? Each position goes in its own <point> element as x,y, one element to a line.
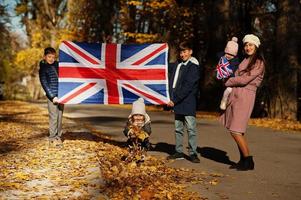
<point>86,94</point>
<point>73,91</point>
<point>140,67</point>
<point>81,80</point>
<point>143,53</point>
<point>140,86</point>
<point>99,85</point>
<point>76,56</point>
<point>68,64</point>
<point>152,57</point>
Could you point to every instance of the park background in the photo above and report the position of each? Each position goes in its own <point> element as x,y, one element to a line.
<point>28,26</point>
<point>88,166</point>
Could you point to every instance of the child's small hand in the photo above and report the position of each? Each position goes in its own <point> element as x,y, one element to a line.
<point>170,104</point>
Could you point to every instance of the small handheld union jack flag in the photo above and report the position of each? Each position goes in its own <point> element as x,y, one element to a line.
<point>112,73</point>
<point>223,69</point>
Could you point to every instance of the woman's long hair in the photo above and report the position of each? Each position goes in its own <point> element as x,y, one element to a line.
<point>258,55</point>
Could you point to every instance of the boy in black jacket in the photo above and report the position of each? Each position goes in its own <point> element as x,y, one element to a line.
<point>184,86</point>
<point>48,75</point>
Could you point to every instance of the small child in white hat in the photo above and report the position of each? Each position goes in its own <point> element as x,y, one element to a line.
<point>227,66</point>
<point>138,127</point>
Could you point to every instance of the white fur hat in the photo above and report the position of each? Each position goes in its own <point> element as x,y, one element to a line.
<point>139,108</point>
<point>251,38</point>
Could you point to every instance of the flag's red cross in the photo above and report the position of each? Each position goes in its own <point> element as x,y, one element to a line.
<point>111,73</point>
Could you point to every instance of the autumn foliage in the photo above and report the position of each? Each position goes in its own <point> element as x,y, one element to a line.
<point>89,165</point>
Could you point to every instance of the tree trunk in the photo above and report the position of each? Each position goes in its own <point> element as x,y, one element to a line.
<point>219,19</point>
<point>284,102</point>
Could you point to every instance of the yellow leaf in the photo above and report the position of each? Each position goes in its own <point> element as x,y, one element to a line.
<point>169,195</point>
<point>114,169</point>
<point>21,176</point>
<point>132,165</point>
<point>129,190</point>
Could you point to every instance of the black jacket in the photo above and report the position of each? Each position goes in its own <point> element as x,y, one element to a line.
<point>48,75</point>
<point>184,95</point>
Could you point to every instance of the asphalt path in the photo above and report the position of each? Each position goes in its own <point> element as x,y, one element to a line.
<point>277,173</point>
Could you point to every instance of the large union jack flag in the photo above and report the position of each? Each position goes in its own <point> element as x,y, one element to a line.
<point>112,73</point>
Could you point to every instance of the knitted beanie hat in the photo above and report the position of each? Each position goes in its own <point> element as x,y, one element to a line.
<point>251,38</point>
<point>139,108</point>
<point>232,46</point>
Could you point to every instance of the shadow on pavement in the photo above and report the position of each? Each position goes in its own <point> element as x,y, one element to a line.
<point>100,119</point>
<point>14,145</point>
<point>8,146</point>
<point>215,155</point>
<point>206,152</point>
<point>164,147</point>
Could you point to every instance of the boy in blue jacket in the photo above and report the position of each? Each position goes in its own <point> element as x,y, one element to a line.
<point>184,86</point>
<point>48,75</point>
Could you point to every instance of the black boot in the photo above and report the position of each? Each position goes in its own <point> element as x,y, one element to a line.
<point>240,162</point>
<point>247,164</point>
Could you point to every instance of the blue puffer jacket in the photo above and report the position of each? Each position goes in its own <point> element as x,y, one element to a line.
<point>49,78</point>
<point>184,95</point>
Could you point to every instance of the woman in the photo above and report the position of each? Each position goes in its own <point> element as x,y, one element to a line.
<point>241,101</point>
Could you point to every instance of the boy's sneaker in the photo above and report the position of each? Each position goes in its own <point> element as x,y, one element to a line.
<point>176,156</point>
<point>223,104</point>
<point>194,158</point>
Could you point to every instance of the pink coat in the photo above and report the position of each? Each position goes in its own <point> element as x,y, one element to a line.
<point>242,98</point>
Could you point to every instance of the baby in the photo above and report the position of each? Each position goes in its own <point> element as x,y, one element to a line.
<point>227,66</point>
